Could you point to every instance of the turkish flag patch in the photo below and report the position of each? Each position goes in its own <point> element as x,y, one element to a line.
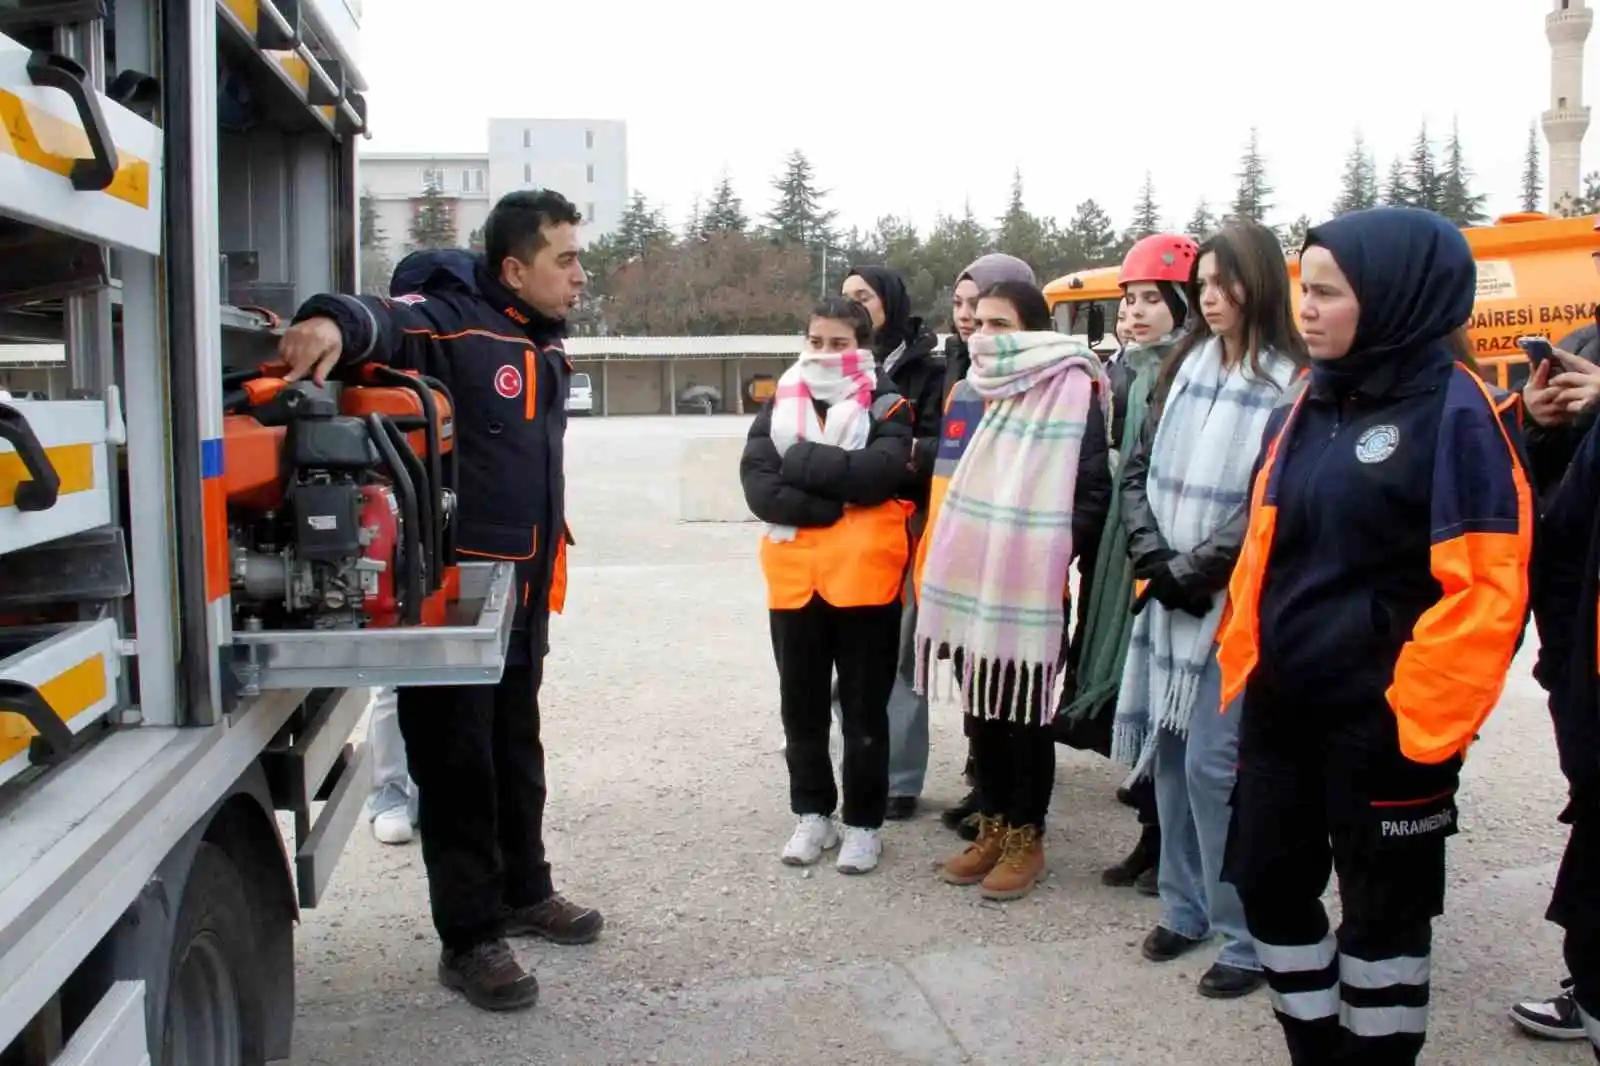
<point>508,382</point>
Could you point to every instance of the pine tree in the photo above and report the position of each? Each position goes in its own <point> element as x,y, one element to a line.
<point>1202,224</point>
<point>1532,176</point>
<point>1397,191</point>
<point>1146,214</point>
<point>1294,238</point>
<point>1020,232</point>
<point>798,216</point>
<point>475,240</point>
<point>374,264</point>
<point>694,227</point>
<point>1090,234</point>
<point>1358,188</point>
<point>726,213</point>
<point>641,230</point>
<point>433,223</point>
<point>1457,201</point>
<point>1252,201</point>
<point>1422,173</point>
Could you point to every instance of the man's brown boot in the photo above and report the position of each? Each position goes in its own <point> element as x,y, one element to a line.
<point>1021,863</point>
<point>973,864</point>
<point>490,976</point>
<point>557,920</point>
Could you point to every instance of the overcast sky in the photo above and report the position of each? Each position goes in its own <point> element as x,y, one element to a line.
<point>915,107</point>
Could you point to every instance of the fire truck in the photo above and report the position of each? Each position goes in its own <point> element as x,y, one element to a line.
<point>204,570</point>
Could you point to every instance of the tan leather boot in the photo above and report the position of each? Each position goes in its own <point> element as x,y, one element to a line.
<point>974,864</point>
<point>1020,864</point>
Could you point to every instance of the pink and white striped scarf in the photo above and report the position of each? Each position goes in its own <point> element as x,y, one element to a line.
<point>844,382</point>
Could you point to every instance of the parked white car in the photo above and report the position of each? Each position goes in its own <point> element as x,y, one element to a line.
<point>580,395</point>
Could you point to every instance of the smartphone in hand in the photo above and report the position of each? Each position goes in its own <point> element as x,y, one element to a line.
<point>1538,350</point>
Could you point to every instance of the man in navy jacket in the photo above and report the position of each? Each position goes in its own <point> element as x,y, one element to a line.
<point>491,328</point>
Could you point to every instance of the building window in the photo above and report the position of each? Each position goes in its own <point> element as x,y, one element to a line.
<point>1561,103</point>
<point>472,180</point>
<point>433,178</point>
<point>527,138</point>
<point>591,173</point>
<point>588,139</point>
<point>588,211</point>
<point>527,173</point>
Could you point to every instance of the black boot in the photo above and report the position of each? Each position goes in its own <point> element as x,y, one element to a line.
<point>1143,857</point>
<point>489,976</point>
<point>954,816</point>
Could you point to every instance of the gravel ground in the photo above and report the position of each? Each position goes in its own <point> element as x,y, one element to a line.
<point>668,809</point>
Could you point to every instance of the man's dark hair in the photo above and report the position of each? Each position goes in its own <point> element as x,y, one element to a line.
<point>846,310</point>
<point>516,224</point>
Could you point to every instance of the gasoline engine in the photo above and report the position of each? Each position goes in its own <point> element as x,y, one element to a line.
<point>340,501</point>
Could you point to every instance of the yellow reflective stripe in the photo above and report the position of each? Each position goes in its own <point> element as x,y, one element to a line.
<point>74,464</point>
<point>248,12</point>
<point>36,136</point>
<point>69,694</point>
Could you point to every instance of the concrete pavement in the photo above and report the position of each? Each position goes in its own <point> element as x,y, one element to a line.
<point>668,808</point>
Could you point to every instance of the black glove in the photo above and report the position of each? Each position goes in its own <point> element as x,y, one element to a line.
<point>1168,591</point>
<point>1147,567</point>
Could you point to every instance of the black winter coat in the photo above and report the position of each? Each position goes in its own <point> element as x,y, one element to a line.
<point>919,376</point>
<point>808,486</point>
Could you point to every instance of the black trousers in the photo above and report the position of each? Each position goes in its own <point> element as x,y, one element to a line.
<point>1573,907</point>
<point>478,765</point>
<point>1144,798</point>
<point>1016,769</point>
<point>863,645</point>
<point>1330,791</point>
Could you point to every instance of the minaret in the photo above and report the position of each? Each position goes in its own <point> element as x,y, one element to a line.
<point>1567,28</point>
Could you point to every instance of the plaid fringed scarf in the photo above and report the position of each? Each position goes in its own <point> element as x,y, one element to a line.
<point>996,572</point>
<point>1200,463</point>
<point>843,381</point>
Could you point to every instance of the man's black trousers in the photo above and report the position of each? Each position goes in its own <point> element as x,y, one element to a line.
<point>478,765</point>
<point>1323,791</point>
<point>1575,906</point>
<point>863,645</point>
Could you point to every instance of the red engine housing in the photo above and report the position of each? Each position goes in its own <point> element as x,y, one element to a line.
<point>380,518</point>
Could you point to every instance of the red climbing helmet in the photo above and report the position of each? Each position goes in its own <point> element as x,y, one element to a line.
<point>1160,257</point>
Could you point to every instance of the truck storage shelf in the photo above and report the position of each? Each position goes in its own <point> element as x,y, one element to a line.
<point>45,441</point>
<point>74,668</point>
<point>78,163</point>
<point>470,650</point>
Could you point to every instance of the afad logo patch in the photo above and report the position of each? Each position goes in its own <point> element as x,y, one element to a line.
<point>508,382</point>
<point>408,298</point>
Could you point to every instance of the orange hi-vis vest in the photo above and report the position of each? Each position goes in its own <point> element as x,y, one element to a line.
<point>859,561</point>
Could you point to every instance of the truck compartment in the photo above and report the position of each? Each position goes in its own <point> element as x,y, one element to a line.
<point>72,668</point>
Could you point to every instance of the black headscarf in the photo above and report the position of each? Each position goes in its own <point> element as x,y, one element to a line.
<point>1413,274</point>
<point>898,325</point>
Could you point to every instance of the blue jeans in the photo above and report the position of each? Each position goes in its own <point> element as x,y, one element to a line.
<point>1194,780</point>
<point>391,778</point>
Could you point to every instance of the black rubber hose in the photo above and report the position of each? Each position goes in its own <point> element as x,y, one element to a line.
<point>435,474</point>
<point>426,516</point>
<point>410,562</point>
<point>453,473</point>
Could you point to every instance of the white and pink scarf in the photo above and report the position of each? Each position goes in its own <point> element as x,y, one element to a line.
<point>844,382</point>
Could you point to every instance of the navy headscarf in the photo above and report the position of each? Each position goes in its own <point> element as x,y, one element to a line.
<point>898,325</point>
<point>1413,274</point>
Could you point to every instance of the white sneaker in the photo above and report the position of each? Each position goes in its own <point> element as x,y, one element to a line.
<point>814,835</point>
<point>393,826</point>
<point>861,851</point>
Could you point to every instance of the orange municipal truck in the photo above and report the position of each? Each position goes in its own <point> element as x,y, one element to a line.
<point>1536,277</point>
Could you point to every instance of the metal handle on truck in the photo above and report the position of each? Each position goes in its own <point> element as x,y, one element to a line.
<point>56,71</point>
<point>40,493</point>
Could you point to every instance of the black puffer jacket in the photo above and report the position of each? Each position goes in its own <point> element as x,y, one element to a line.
<point>919,375</point>
<point>808,486</point>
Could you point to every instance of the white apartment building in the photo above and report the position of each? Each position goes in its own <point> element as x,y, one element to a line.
<point>396,180</point>
<point>586,160</point>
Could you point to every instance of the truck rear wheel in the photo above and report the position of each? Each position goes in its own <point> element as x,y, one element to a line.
<point>214,1005</point>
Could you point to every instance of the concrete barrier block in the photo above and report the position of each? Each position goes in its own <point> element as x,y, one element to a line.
<point>708,480</point>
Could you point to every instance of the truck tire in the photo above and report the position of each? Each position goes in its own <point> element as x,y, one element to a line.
<point>214,1010</point>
